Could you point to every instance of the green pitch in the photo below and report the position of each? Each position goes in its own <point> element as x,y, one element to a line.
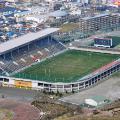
<point>67,67</point>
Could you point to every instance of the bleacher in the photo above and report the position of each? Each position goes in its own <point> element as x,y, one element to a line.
<point>25,57</point>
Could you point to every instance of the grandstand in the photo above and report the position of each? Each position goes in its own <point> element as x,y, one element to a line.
<point>23,51</point>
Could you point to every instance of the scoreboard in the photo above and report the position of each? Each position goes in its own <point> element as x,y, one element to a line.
<point>103,42</point>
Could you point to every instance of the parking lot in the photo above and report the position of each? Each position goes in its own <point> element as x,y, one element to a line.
<point>109,88</point>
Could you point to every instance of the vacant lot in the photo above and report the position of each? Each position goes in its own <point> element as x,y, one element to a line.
<point>14,110</point>
<point>69,27</point>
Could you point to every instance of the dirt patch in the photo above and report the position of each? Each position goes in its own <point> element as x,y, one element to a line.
<point>21,111</point>
<point>6,114</point>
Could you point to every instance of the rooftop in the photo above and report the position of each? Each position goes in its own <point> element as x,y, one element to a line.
<point>24,39</point>
<point>96,16</point>
<point>58,13</point>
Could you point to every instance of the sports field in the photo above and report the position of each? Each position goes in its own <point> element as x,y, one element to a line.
<point>67,67</point>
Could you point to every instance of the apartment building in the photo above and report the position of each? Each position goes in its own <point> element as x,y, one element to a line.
<point>99,22</point>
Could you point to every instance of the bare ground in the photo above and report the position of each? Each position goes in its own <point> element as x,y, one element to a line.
<point>21,110</point>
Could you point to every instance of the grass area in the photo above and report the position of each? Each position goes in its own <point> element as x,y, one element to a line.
<point>116,41</point>
<point>69,27</point>
<point>6,114</point>
<point>118,46</point>
<point>67,67</point>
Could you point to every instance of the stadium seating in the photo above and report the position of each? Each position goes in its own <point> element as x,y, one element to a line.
<point>40,49</point>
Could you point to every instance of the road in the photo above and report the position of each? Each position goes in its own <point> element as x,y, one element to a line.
<point>95,50</point>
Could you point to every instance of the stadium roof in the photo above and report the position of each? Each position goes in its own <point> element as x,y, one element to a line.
<point>11,44</point>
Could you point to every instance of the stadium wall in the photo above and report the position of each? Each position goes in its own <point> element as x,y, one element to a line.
<point>84,83</point>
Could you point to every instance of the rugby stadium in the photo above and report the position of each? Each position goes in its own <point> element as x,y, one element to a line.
<point>39,61</point>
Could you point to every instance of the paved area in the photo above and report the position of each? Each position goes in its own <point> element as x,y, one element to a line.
<point>95,50</point>
<point>109,88</point>
<point>17,94</point>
